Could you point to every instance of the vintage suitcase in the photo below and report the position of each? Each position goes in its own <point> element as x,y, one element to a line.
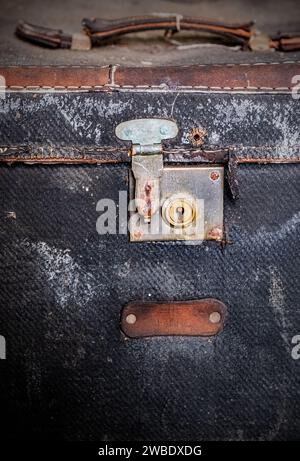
<point>190,332</point>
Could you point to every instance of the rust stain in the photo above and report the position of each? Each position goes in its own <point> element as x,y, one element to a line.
<point>197,136</point>
<point>214,175</point>
<point>148,199</point>
<point>138,234</point>
<point>215,234</point>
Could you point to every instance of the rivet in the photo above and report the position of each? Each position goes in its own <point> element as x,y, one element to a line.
<point>131,319</point>
<point>215,317</point>
<point>214,175</point>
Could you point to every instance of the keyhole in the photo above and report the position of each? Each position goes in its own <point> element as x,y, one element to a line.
<point>179,213</point>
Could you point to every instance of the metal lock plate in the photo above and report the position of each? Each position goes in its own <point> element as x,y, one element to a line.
<point>191,206</point>
<point>169,203</point>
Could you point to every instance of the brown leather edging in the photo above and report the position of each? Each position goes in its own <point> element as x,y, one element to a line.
<point>256,77</point>
<point>97,155</point>
<point>95,161</point>
<point>54,77</point>
<point>268,160</point>
<point>102,161</point>
<point>260,77</point>
<point>32,154</point>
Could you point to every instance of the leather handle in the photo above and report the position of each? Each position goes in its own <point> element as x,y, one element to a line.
<point>102,29</point>
<point>286,41</point>
<point>98,31</point>
<point>51,38</point>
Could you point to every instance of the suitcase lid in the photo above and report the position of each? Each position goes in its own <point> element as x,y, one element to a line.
<point>160,77</point>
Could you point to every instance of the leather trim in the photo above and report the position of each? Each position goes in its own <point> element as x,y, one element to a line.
<point>32,154</point>
<point>259,77</point>
<point>51,77</point>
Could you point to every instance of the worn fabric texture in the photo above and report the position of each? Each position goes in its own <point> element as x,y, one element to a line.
<point>252,125</point>
<point>70,374</point>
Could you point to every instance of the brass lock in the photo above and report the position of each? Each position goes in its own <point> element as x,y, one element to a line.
<point>169,203</point>
<point>179,210</point>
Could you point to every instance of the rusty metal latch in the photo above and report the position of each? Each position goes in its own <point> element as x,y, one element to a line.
<point>171,203</point>
<point>147,160</point>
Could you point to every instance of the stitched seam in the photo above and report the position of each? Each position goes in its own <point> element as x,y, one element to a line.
<point>111,65</point>
<point>90,150</point>
<point>162,86</point>
<point>83,150</point>
<point>113,160</point>
<point>102,160</point>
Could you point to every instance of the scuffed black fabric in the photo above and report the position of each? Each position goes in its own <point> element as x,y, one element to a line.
<point>69,372</point>
<point>256,125</point>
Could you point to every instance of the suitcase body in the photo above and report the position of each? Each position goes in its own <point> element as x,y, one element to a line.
<point>70,372</point>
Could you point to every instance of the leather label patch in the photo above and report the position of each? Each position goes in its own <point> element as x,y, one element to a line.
<point>203,317</point>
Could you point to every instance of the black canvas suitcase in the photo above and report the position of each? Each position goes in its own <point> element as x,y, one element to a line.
<point>189,331</point>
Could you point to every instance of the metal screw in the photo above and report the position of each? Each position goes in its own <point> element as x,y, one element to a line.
<point>139,234</point>
<point>128,132</point>
<point>215,317</point>
<point>216,233</point>
<point>131,319</point>
<point>214,175</point>
<point>163,130</point>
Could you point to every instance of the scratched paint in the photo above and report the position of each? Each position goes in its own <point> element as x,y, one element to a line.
<point>67,280</point>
